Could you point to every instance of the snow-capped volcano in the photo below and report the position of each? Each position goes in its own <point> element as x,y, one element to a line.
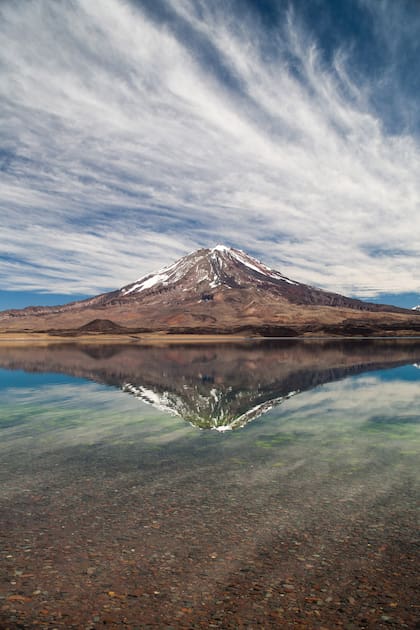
<point>218,290</point>
<point>207,269</point>
<point>225,274</point>
<point>416,308</point>
<point>228,275</point>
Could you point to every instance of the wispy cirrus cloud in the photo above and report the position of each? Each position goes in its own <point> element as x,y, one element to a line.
<point>134,132</point>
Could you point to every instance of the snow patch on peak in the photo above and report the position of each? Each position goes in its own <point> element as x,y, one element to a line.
<point>221,248</point>
<point>416,308</point>
<point>147,283</point>
<point>166,275</point>
<point>247,261</point>
<point>256,265</point>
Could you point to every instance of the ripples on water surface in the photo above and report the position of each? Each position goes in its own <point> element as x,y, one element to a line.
<point>212,486</point>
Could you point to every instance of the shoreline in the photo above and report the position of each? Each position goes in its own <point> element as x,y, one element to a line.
<point>169,339</point>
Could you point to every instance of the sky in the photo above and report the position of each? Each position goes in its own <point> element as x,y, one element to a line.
<point>133,132</point>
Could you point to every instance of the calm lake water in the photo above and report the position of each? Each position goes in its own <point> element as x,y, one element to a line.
<point>267,485</point>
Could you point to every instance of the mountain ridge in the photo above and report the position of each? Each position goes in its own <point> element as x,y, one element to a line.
<point>215,290</point>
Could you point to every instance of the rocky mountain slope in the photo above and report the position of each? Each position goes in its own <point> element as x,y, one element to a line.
<point>218,290</point>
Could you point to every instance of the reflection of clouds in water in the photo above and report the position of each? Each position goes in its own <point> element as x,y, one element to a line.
<point>82,413</point>
<point>358,399</point>
<point>69,395</point>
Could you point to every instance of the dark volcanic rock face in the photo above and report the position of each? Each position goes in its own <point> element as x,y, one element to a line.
<point>217,290</point>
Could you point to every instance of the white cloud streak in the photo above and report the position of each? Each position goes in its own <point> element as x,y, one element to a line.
<point>122,149</point>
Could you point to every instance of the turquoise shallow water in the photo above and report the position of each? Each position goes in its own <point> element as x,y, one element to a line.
<point>244,468</point>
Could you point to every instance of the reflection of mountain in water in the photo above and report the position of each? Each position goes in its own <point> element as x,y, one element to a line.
<point>219,409</point>
<point>215,386</point>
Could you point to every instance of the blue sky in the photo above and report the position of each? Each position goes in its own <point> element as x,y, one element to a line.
<point>133,132</point>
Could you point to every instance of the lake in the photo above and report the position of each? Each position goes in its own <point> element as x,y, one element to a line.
<point>267,484</point>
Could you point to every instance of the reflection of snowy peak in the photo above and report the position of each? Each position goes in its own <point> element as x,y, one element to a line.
<point>207,269</point>
<point>219,409</point>
<point>214,386</point>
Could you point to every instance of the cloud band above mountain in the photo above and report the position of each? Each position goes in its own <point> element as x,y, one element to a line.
<point>133,133</point>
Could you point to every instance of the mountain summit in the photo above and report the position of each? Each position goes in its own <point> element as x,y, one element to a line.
<point>208,269</point>
<point>215,291</point>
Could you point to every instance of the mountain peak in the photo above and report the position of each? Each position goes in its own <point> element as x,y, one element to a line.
<point>207,269</point>
<point>221,248</point>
